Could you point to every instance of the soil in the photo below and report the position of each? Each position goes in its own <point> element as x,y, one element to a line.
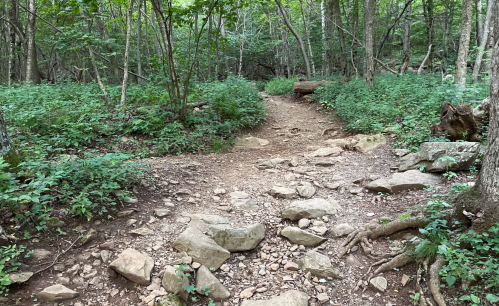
<point>293,129</point>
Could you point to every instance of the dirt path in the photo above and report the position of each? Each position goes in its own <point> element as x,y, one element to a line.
<point>188,182</point>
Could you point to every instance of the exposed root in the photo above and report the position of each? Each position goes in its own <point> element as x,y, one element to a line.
<point>374,230</point>
<point>397,262</point>
<point>434,282</point>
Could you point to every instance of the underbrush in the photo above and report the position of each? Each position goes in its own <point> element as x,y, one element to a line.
<point>280,86</point>
<point>405,105</point>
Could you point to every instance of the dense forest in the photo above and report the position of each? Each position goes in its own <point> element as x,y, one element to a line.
<point>123,120</point>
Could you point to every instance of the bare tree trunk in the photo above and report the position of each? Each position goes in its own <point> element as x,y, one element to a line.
<point>428,12</point>
<point>464,42</point>
<point>449,17</point>
<point>479,23</point>
<point>324,43</point>
<point>139,37</point>
<point>407,41</point>
<point>285,51</point>
<point>127,53</point>
<point>484,39</point>
<point>307,32</point>
<point>298,38</point>
<point>155,35</point>
<point>341,37</point>
<point>368,41</point>
<point>210,30</point>
<point>330,26</point>
<point>32,74</point>
<point>355,21</point>
<point>7,151</point>
<point>242,38</point>
<point>148,54</point>
<point>226,58</point>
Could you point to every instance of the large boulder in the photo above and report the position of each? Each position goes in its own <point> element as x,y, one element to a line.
<point>409,180</point>
<point>207,282</point>
<point>442,156</point>
<point>201,248</point>
<point>288,298</point>
<point>238,239</point>
<point>319,265</point>
<point>56,293</point>
<point>300,236</point>
<point>174,281</point>
<point>134,265</point>
<point>313,208</point>
<point>366,143</point>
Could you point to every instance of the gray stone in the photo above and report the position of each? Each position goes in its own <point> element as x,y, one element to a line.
<point>342,230</point>
<point>169,300</point>
<point>4,241</point>
<point>442,156</point>
<point>56,293</point>
<point>162,212</point>
<point>104,255</point>
<point>250,142</point>
<point>482,109</point>
<point>201,248</point>
<point>174,282</point>
<point>401,152</point>
<point>313,208</point>
<point>263,164</point>
<point>89,237</point>
<point>353,261</point>
<point>300,236</point>
<point>379,283</point>
<point>319,265</point>
<point>20,277</point>
<point>343,143</point>
<point>239,195</point>
<point>134,265</point>
<point>206,280</point>
<point>238,239</point>
<point>39,255</point>
<point>288,298</point>
<point>306,190</point>
<point>367,143</point>
<point>303,223</point>
<point>246,204</point>
<point>322,152</point>
<point>201,221</point>
<point>409,180</point>
<point>282,192</point>
<point>143,231</point>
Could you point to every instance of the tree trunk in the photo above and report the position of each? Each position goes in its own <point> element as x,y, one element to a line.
<point>407,41</point>
<point>483,198</point>
<point>307,32</point>
<point>6,148</point>
<point>298,38</point>
<point>139,37</point>
<point>127,53</point>
<point>484,39</point>
<point>32,74</point>
<point>458,123</point>
<point>210,31</point>
<point>449,17</point>
<point>355,21</point>
<point>341,37</point>
<point>464,42</point>
<point>368,41</point>
<point>324,43</point>
<point>112,58</point>
<point>307,87</point>
<point>155,35</point>
<point>479,22</point>
<point>428,12</point>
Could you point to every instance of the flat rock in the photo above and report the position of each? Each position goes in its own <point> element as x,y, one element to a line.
<point>343,143</point>
<point>250,142</point>
<point>288,298</point>
<point>238,239</point>
<point>201,248</point>
<point>282,192</point>
<point>143,231</point>
<point>319,265</point>
<point>442,156</point>
<point>170,300</point>
<point>323,152</point>
<point>162,212</point>
<point>39,255</point>
<point>56,293</point>
<point>247,293</point>
<point>304,223</point>
<point>239,195</point>
<point>313,208</point>
<point>342,229</point>
<point>174,282</point>
<point>245,204</point>
<point>202,221</point>
<point>20,277</point>
<point>379,283</point>
<point>263,164</point>
<point>306,190</point>
<point>205,279</point>
<point>409,180</point>
<point>300,236</point>
<point>366,143</point>
<point>90,236</point>
<point>134,265</point>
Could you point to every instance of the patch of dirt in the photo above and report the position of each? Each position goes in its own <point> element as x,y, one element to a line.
<point>188,181</point>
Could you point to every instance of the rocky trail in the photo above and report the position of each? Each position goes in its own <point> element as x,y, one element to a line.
<point>260,225</point>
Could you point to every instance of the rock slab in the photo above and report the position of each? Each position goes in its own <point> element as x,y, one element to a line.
<point>207,282</point>
<point>201,248</point>
<point>300,236</point>
<point>319,265</point>
<point>56,293</point>
<point>313,208</point>
<point>238,239</point>
<point>134,265</point>
<point>288,298</point>
<point>174,282</point>
<point>409,180</point>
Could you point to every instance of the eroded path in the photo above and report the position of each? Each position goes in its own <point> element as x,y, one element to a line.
<point>205,184</point>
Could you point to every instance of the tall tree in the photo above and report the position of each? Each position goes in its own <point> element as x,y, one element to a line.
<point>307,33</point>
<point>7,151</point>
<point>298,38</point>
<point>483,41</point>
<point>32,73</point>
<point>368,41</point>
<point>139,38</point>
<point>464,42</point>
<point>407,41</point>
<point>341,38</point>
<point>127,53</point>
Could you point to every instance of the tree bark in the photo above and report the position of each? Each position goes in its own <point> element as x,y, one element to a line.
<point>155,35</point>
<point>368,41</point>
<point>139,37</point>
<point>298,38</point>
<point>341,37</point>
<point>484,39</point>
<point>464,42</point>
<point>449,17</point>
<point>355,21</point>
<point>479,22</point>
<point>307,32</point>
<point>127,53</point>
<point>407,41</point>
<point>428,12</point>
<point>32,74</point>
<point>7,151</point>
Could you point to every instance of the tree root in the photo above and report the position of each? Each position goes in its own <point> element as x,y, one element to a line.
<point>374,230</point>
<point>434,282</point>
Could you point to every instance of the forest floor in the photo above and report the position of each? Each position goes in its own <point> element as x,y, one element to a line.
<point>293,129</point>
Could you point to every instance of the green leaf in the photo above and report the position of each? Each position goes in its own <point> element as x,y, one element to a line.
<point>450,279</point>
<point>492,298</point>
<point>475,299</point>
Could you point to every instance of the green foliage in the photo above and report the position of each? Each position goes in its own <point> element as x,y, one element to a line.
<point>405,105</point>
<point>280,86</point>
<point>9,263</point>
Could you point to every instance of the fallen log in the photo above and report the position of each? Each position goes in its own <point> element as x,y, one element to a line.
<point>308,87</point>
<point>457,123</point>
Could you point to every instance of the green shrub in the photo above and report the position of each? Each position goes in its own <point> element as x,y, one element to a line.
<point>9,263</point>
<point>280,86</point>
